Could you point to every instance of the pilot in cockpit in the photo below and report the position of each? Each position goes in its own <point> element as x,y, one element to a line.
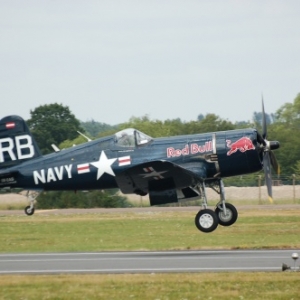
<point>126,140</point>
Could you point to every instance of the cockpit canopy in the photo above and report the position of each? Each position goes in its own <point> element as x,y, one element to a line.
<point>131,137</point>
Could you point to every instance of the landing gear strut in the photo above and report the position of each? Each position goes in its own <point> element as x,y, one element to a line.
<point>31,196</point>
<point>225,214</point>
<point>206,220</point>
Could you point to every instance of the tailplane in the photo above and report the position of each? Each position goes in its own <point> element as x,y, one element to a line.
<point>16,142</point>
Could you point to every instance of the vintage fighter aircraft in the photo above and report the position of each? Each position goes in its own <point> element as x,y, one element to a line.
<point>169,169</point>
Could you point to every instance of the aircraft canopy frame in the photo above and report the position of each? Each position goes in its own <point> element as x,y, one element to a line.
<point>131,137</point>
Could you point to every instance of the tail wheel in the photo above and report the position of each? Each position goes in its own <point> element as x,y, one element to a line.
<point>206,220</point>
<point>29,211</point>
<point>230,217</point>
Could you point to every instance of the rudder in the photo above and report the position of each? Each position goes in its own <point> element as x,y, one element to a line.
<point>16,142</point>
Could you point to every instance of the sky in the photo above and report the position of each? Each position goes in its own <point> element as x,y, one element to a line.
<point>111,60</point>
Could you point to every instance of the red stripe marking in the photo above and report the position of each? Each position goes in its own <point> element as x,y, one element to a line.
<point>10,125</point>
<point>124,160</point>
<point>83,168</point>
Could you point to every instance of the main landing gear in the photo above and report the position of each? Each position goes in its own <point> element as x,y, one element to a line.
<point>224,214</point>
<point>31,196</point>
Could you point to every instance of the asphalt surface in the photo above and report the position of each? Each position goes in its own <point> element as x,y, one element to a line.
<point>147,262</point>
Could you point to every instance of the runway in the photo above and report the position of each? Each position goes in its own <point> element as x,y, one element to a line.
<point>146,262</point>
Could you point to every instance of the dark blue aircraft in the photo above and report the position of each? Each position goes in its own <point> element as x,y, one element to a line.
<point>169,169</point>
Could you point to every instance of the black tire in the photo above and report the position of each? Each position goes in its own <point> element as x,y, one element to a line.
<point>29,211</point>
<point>230,217</point>
<point>206,220</point>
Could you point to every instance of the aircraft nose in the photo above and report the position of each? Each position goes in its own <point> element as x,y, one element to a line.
<point>274,145</point>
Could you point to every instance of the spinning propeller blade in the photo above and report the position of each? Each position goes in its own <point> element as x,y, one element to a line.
<point>268,175</point>
<point>264,121</point>
<point>269,158</point>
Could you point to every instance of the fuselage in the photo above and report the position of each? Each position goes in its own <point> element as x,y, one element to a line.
<point>95,164</point>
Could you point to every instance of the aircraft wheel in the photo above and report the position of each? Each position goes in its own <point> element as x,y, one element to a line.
<point>29,211</point>
<point>206,220</point>
<point>230,217</point>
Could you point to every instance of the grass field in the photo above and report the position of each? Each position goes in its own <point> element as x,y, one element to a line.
<point>146,230</point>
<point>149,230</point>
<point>223,286</point>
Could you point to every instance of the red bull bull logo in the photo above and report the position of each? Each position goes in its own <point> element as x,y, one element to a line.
<point>243,144</point>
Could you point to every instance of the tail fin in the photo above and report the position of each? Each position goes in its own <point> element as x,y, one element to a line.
<point>16,142</point>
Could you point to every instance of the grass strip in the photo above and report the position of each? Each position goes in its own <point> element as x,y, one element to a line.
<point>154,286</point>
<point>165,230</point>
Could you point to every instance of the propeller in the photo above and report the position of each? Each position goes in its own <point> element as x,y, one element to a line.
<point>269,158</point>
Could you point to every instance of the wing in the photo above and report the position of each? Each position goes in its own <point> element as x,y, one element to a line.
<point>159,176</point>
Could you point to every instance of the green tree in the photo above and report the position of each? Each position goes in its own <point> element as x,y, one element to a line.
<point>70,143</point>
<point>53,124</point>
<point>175,127</point>
<point>243,124</point>
<point>286,130</point>
<point>258,116</point>
<point>296,168</point>
<point>93,128</point>
<point>157,128</point>
<point>209,123</point>
<point>152,128</point>
<point>289,113</point>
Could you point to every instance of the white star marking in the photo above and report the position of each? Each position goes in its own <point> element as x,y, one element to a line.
<point>104,165</point>
<point>154,174</point>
